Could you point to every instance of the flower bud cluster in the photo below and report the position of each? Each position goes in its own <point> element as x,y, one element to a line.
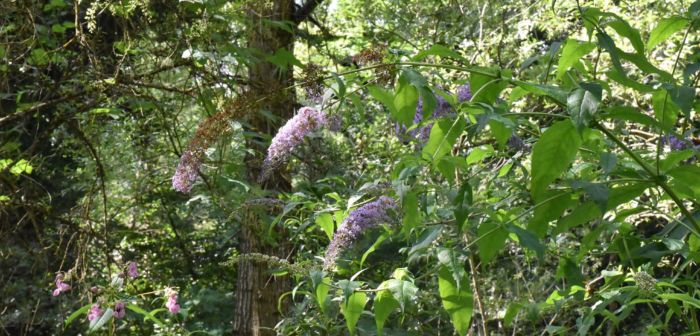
<point>443,108</point>
<point>290,135</point>
<point>361,219</point>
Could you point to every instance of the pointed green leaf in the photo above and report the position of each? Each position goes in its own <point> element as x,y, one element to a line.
<point>554,202</point>
<point>665,110</point>
<point>624,29</point>
<point>83,310</point>
<point>373,248</point>
<point>352,308</point>
<point>458,302</point>
<point>665,29</point>
<point>492,238</point>
<point>405,100</point>
<point>383,96</point>
<point>443,136</point>
<point>583,104</point>
<point>552,154</point>
<point>325,222</point>
<point>571,53</point>
<point>528,240</point>
<point>384,305</point>
<point>411,212</point>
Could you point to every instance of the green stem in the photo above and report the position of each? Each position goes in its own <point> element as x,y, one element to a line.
<point>658,179</point>
<point>488,233</point>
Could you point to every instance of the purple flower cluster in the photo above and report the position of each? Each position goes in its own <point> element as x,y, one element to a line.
<point>678,144</point>
<point>60,285</point>
<point>365,217</point>
<point>131,270</point>
<point>292,134</point>
<point>443,108</point>
<point>515,143</point>
<point>95,312</point>
<point>464,93</point>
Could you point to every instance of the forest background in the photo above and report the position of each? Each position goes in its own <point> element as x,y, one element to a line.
<point>422,167</point>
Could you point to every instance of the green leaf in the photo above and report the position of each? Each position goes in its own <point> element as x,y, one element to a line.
<point>665,110</point>
<point>384,305</point>
<point>683,97</point>
<point>628,113</point>
<point>383,96</point>
<point>147,315</point>
<point>500,131</point>
<point>568,269</point>
<point>624,29</point>
<point>583,104</point>
<point>39,57</point>
<point>429,101</point>
<point>598,193</point>
<point>372,248</point>
<point>615,75</point>
<point>341,88</point>
<point>553,206</point>
<point>529,240</point>
<point>571,53</point>
<point>457,301</point>
<point>348,287</point>
<point>450,258</point>
<point>665,29</point>
<point>674,158</point>
<point>352,308</point>
<point>426,239</point>
<point>607,43</point>
<point>411,213</point>
<point>438,50</point>
<point>552,154</point>
<point>405,100</point>
<point>512,311</point>
<point>608,161</point>
<point>443,136</point>
<point>485,89</point>
<point>462,202</point>
<point>491,239</point>
<point>477,154</point>
<point>325,221</point>
<point>683,297</point>
<point>283,59</point>
<point>322,289</point>
<point>687,177</point>
<point>403,291</point>
<point>553,92</point>
<point>83,310</point>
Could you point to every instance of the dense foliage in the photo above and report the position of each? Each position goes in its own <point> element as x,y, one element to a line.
<point>349,167</point>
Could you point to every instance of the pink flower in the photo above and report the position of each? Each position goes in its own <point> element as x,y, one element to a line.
<point>291,135</point>
<point>95,312</point>
<point>131,270</point>
<point>60,285</point>
<point>172,305</point>
<point>119,310</point>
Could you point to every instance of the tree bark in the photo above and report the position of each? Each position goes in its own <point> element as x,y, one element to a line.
<point>257,292</point>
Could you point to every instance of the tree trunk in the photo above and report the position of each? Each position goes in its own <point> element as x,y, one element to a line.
<point>257,292</point>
